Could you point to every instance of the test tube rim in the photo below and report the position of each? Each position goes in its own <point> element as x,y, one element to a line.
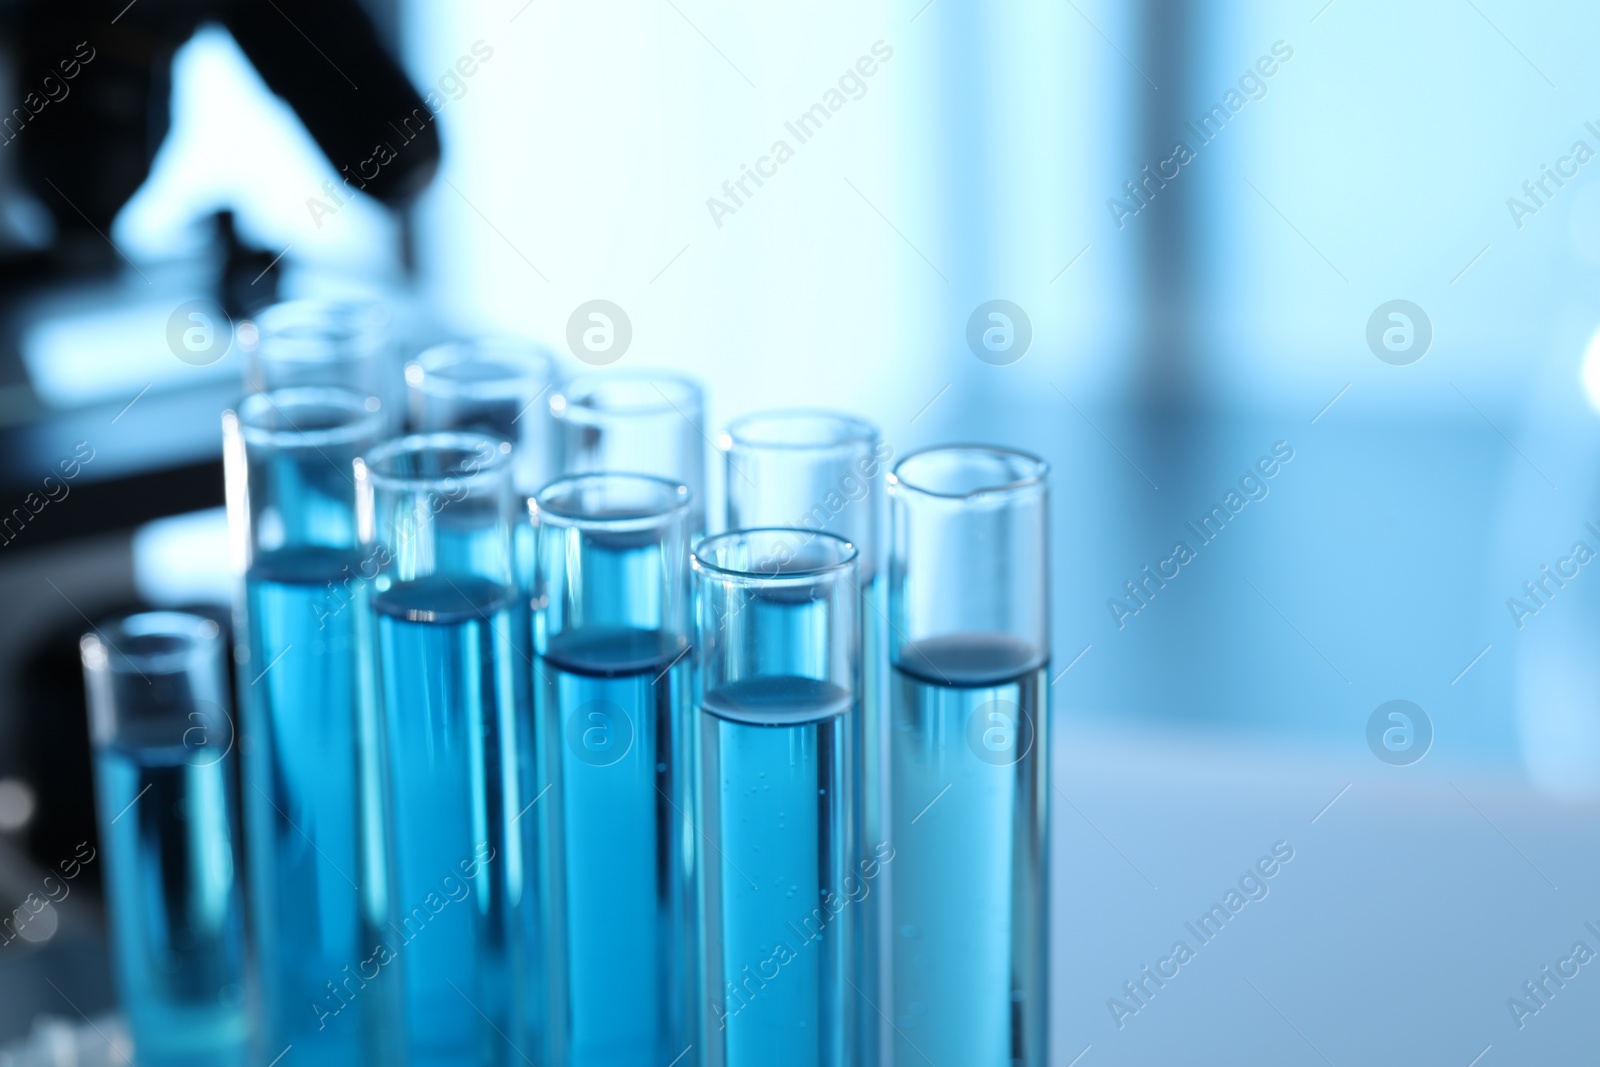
<point>848,559</point>
<point>197,637</point>
<point>689,390</point>
<point>423,372</point>
<point>271,333</point>
<point>366,421</point>
<point>542,511</point>
<point>1037,476</point>
<point>495,467</point>
<point>855,431</point>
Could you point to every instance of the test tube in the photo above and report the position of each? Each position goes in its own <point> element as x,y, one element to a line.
<point>969,757</point>
<point>163,759</point>
<point>612,636</point>
<point>494,385</point>
<point>641,422</point>
<point>779,879</point>
<point>499,387</point>
<point>821,471</point>
<point>343,344</point>
<point>311,773</point>
<point>453,694</point>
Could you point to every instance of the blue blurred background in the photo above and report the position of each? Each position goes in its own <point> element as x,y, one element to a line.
<point>1190,313</point>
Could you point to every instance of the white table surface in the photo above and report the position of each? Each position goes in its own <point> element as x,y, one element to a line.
<point>1414,907</point>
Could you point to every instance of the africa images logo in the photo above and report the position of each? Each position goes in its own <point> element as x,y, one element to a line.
<point>999,332</point>
<point>1399,332</point>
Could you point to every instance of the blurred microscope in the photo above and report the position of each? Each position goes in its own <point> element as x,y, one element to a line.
<point>103,429</point>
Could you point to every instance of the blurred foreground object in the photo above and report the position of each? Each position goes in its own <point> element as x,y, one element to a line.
<point>163,755</point>
<point>68,1043</point>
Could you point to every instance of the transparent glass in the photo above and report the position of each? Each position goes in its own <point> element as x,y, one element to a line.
<point>290,457</point>
<point>809,469</point>
<point>496,386</point>
<point>612,636</point>
<point>783,870</point>
<point>823,471</point>
<point>312,784</point>
<point>343,344</point>
<point>452,695</point>
<point>969,757</point>
<point>636,422</point>
<point>163,758</point>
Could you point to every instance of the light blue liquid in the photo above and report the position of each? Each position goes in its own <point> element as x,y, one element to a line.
<point>452,689</point>
<point>610,712</point>
<point>873,790</point>
<point>302,799</point>
<point>175,909</point>
<point>969,886</point>
<point>777,762</point>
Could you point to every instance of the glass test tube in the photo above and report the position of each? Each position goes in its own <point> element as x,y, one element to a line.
<point>640,422</point>
<point>311,779</point>
<point>779,879</point>
<point>500,387</point>
<point>969,757</point>
<point>612,636</point>
<point>452,694</point>
<point>821,471</point>
<point>342,344</point>
<point>163,760</point>
<point>496,386</point>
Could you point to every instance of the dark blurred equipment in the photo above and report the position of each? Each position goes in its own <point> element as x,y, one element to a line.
<point>323,57</point>
<point>85,105</point>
